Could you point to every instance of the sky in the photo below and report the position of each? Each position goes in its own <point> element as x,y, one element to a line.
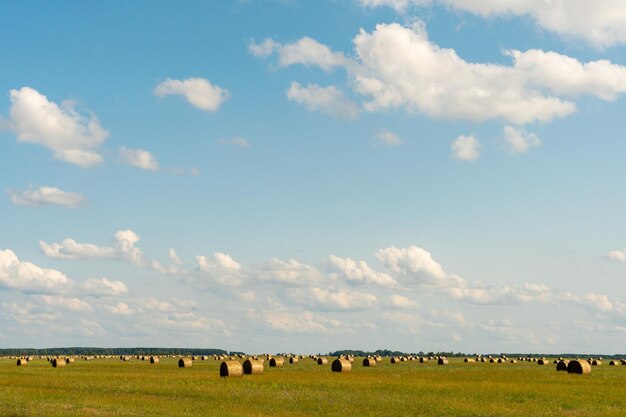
<point>308,176</point>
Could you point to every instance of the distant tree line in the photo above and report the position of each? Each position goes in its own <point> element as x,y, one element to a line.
<point>79,351</point>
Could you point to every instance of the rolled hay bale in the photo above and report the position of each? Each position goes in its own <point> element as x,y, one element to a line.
<point>469,360</point>
<point>251,367</point>
<point>69,360</point>
<point>562,365</point>
<point>395,360</point>
<point>58,362</point>
<point>542,362</point>
<point>185,363</point>
<point>277,362</point>
<point>423,359</point>
<point>204,358</point>
<point>369,362</point>
<point>351,359</point>
<point>501,360</point>
<point>513,360</point>
<point>294,360</point>
<point>322,361</point>
<point>442,361</point>
<point>492,360</point>
<point>623,361</point>
<point>483,360</point>
<point>341,365</point>
<point>596,362</point>
<point>154,359</point>
<point>126,358</point>
<point>614,363</point>
<point>231,368</point>
<point>578,367</point>
<point>22,362</point>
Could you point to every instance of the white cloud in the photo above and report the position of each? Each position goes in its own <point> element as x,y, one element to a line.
<point>339,299</point>
<point>103,287</point>
<point>221,268</point>
<point>174,257</point>
<point>328,100</point>
<point>236,141</point>
<point>305,51</point>
<point>30,314</point>
<point>294,322</point>
<point>500,294</point>
<point>360,273</point>
<point>199,92</point>
<point>68,303</point>
<point>400,301</point>
<point>139,158</point>
<point>28,277</point>
<point>288,273</point>
<point>44,196</point>
<point>123,248</point>
<point>601,23</point>
<point>385,137</point>
<point>119,309</point>
<point>520,141</point>
<point>466,148</point>
<point>73,137</point>
<point>617,255</point>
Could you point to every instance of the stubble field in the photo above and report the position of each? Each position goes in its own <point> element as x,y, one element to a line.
<point>110,387</point>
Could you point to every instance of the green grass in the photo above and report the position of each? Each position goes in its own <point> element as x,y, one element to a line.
<point>114,388</point>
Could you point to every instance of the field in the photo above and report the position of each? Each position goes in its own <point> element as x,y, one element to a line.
<point>110,387</point>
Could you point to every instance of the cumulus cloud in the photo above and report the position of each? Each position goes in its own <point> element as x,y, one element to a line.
<point>519,141</point>
<point>220,267</point>
<point>400,301</point>
<point>500,294</point>
<point>601,23</point>
<point>617,255</point>
<point>288,273</point>
<point>199,92</point>
<point>139,158</point>
<point>73,137</point>
<point>46,196</point>
<point>466,148</point>
<point>103,287</point>
<point>295,322</point>
<point>68,303</point>
<point>328,100</point>
<point>339,299</point>
<point>119,309</point>
<point>358,273</point>
<point>236,141</point>
<point>305,51</point>
<point>385,137</point>
<point>123,248</point>
<point>28,277</point>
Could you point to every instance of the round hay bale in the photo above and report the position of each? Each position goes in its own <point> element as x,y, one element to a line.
<point>69,360</point>
<point>322,361</point>
<point>614,363</point>
<point>501,360</point>
<point>492,360</point>
<point>154,359</point>
<point>423,359</point>
<point>562,365</point>
<point>513,360</point>
<point>469,360</point>
<point>294,360</point>
<point>341,365</point>
<point>58,363</point>
<point>277,362</point>
<point>596,362</point>
<point>351,359</point>
<point>22,362</point>
<point>231,368</point>
<point>185,363</point>
<point>252,367</point>
<point>442,361</point>
<point>578,367</point>
<point>395,360</point>
<point>369,362</point>
<point>542,362</point>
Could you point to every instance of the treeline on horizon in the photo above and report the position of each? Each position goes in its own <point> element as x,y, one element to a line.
<point>87,351</point>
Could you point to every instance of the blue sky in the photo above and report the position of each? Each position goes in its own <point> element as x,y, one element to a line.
<point>308,176</point>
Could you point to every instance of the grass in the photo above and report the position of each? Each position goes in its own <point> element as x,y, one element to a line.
<point>109,387</point>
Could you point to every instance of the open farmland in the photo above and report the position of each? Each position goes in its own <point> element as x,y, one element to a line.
<point>110,387</point>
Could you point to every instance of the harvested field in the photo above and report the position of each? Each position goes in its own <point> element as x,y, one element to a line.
<point>110,387</point>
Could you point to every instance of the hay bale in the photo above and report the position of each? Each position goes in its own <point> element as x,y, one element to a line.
<point>542,361</point>
<point>492,360</point>
<point>614,363</point>
<point>501,360</point>
<point>395,360</point>
<point>294,360</point>
<point>252,367</point>
<point>513,361</point>
<point>341,365</point>
<point>154,359</point>
<point>369,362</point>
<point>596,362</point>
<point>423,359</point>
<point>58,363</point>
<point>578,367</point>
<point>442,361</point>
<point>469,360</point>
<point>277,362</point>
<point>69,360</point>
<point>22,362</point>
<point>562,365</point>
<point>322,361</point>
<point>231,368</point>
<point>185,363</point>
